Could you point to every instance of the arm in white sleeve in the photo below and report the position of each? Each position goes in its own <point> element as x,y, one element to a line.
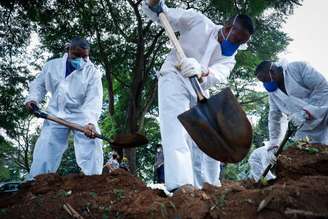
<point>92,105</point>
<point>37,88</point>
<point>276,123</point>
<point>219,73</point>
<point>180,19</point>
<point>318,85</point>
<point>312,79</point>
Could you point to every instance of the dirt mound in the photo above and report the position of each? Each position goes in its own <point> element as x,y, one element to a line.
<point>305,160</point>
<point>300,192</point>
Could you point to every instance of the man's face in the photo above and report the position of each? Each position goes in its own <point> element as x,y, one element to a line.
<point>78,53</point>
<point>238,35</point>
<point>271,75</point>
<point>264,76</point>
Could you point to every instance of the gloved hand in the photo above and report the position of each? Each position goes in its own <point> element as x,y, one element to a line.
<point>190,67</point>
<point>299,118</point>
<point>156,6</point>
<point>271,157</point>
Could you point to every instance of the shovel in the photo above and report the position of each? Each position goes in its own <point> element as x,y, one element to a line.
<point>290,131</point>
<point>218,125</point>
<point>120,140</point>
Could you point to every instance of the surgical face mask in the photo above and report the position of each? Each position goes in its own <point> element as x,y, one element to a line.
<point>228,48</point>
<point>77,63</point>
<point>272,85</point>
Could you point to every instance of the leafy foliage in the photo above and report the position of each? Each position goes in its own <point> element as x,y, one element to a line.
<point>127,49</point>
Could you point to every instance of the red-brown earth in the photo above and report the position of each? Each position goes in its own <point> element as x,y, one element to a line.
<point>301,191</point>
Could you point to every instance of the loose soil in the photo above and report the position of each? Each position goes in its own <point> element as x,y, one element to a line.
<point>301,191</point>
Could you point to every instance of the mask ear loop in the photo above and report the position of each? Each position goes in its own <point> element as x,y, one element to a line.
<point>233,23</point>
<point>270,71</point>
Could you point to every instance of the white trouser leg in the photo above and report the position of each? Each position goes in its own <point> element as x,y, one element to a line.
<point>88,153</point>
<point>174,99</point>
<point>258,162</point>
<point>206,169</point>
<point>49,148</point>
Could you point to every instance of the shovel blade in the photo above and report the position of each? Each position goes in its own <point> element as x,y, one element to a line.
<point>129,140</point>
<point>219,127</point>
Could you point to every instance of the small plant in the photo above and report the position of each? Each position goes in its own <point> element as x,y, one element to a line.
<point>173,205</point>
<point>119,193</point>
<point>163,210</point>
<point>220,201</point>
<point>63,193</point>
<point>264,181</point>
<point>106,213</point>
<point>93,194</point>
<point>311,150</point>
<point>3,211</point>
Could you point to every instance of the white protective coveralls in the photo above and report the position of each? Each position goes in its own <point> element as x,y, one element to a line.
<point>184,162</point>
<point>307,89</point>
<point>76,98</point>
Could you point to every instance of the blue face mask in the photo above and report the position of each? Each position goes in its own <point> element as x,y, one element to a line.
<point>270,86</point>
<point>77,63</point>
<point>228,48</point>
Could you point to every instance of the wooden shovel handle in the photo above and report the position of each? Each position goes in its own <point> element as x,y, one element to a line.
<point>74,126</point>
<point>289,133</point>
<point>180,53</point>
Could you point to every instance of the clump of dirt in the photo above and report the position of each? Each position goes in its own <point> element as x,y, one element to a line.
<point>300,192</point>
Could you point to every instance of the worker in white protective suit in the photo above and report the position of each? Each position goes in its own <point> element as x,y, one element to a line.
<point>76,95</point>
<point>297,93</point>
<point>210,51</point>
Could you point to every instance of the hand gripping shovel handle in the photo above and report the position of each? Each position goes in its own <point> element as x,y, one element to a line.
<point>180,53</point>
<point>289,133</point>
<point>36,111</point>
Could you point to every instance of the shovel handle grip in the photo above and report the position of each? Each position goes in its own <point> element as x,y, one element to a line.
<point>180,53</point>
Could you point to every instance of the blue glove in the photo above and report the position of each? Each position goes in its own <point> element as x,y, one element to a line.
<point>157,8</point>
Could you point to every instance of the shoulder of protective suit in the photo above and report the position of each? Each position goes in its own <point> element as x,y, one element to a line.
<point>200,17</point>
<point>297,63</point>
<point>52,62</point>
<point>296,67</point>
<point>95,70</point>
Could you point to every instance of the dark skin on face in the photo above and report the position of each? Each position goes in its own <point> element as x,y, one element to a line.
<point>276,74</point>
<point>78,52</point>
<point>238,35</point>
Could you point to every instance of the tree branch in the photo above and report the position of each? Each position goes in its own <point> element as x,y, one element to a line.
<point>115,21</point>
<point>254,100</point>
<point>153,44</point>
<point>147,106</point>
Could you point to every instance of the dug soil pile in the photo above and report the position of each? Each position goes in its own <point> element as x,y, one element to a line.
<point>300,192</point>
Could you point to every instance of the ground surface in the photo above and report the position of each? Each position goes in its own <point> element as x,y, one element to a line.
<point>300,192</point>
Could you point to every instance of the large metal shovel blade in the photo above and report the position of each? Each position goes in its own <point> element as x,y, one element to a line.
<point>129,140</point>
<point>219,127</point>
